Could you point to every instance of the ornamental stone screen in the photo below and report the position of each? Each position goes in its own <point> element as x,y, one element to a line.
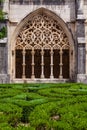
<point>42,49</point>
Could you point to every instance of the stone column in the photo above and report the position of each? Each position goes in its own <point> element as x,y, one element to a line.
<point>51,64</point>
<point>23,75</point>
<point>42,63</point>
<point>61,64</point>
<point>81,46</point>
<point>81,65</point>
<point>33,76</point>
<point>81,58</point>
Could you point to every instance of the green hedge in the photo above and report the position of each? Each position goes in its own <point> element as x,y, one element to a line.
<point>43,106</point>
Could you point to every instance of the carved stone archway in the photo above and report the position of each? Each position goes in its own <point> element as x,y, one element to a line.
<point>43,48</point>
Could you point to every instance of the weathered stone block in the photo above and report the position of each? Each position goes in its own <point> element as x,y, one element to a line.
<point>82,78</point>
<point>4,78</point>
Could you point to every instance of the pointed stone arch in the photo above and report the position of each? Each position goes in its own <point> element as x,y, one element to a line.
<point>44,30</point>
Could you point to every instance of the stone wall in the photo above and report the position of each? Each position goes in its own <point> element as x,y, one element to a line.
<point>66,10</point>
<point>4,78</point>
<point>18,10</point>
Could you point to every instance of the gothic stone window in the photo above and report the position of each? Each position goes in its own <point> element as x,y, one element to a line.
<point>42,49</point>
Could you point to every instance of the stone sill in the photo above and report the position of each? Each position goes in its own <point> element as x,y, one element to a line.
<point>40,80</point>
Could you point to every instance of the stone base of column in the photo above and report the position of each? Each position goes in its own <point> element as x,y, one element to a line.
<point>42,76</point>
<point>60,77</point>
<point>51,77</point>
<point>82,78</point>
<point>33,76</point>
<point>23,77</point>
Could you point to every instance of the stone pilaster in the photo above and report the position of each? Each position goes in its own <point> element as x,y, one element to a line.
<point>81,58</point>
<point>80,42</point>
<point>4,77</point>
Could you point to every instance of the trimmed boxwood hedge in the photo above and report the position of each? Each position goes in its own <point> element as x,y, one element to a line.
<point>43,106</point>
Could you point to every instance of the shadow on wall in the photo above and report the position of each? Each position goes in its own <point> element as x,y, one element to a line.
<point>38,2</point>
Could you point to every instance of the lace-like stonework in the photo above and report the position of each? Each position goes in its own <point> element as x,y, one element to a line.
<point>42,32</point>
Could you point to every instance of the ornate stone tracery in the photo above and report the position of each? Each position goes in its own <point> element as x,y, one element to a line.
<point>42,31</point>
